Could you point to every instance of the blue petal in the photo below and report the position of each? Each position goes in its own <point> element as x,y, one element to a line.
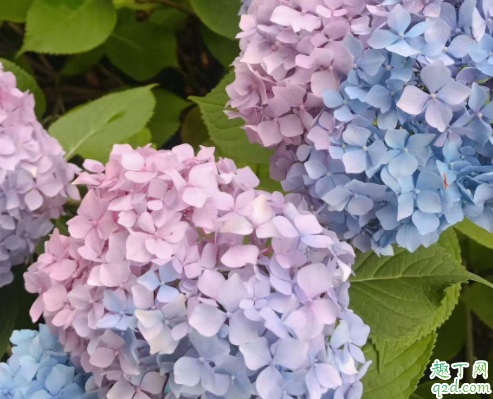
<point>426,223</point>
<point>333,99</point>
<point>359,205</point>
<point>355,135</point>
<point>379,97</point>
<point>338,198</point>
<point>396,138</point>
<point>408,237</point>
<point>403,165</point>
<point>381,39</point>
<point>429,201</point>
<point>406,205</point>
<point>399,19</point>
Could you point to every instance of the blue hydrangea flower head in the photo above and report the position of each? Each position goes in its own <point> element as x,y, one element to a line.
<point>39,369</point>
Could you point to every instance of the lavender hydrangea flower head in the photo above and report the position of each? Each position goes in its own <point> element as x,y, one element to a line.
<point>39,368</point>
<point>34,177</point>
<point>176,263</point>
<point>401,148</point>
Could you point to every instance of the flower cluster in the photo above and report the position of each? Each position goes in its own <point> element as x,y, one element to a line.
<point>245,4</point>
<point>379,112</point>
<point>176,263</point>
<point>40,369</point>
<point>34,177</point>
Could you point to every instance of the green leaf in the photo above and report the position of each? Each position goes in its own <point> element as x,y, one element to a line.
<point>68,26</point>
<point>14,10</point>
<point>266,183</point>
<point>398,296</point>
<point>220,16</point>
<point>140,49</point>
<point>134,5</point>
<point>388,347</point>
<point>26,82</point>
<point>479,299</point>
<point>93,129</point>
<point>398,376</point>
<point>476,255</point>
<point>81,63</point>
<point>194,131</point>
<point>9,297</point>
<point>479,279</point>
<point>225,133</point>
<point>475,233</point>
<point>224,50</point>
<point>141,139</point>
<point>451,335</point>
<point>166,120</point>
<point>450,242</point>
<point>169,19</point>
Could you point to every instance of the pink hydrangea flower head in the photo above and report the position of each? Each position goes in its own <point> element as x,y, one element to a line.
<point>177,263</point>
<point>34,177</point>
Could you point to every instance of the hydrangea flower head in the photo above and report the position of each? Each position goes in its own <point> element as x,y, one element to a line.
<point>34,177</point>
<point>180,277</point>
<point>401,148</point>
<point>39,368</point>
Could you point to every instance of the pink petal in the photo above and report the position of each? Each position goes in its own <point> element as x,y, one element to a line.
<point>314,279</point>
<point>240,255</point>
<point>102,357</point>
<point>136,248</point>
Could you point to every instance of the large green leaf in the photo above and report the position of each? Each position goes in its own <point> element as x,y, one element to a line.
<point>194,131</point>
<point>399,296</point>
<point>68,26</point>
<point>166,120</point>
<point>266,183</point>
<point>451,335</point>
<point>169,19</point>
<point>26,82</point>
<point>81,63</point>
<point>8,315</point>
<point>388,347</point>
<point>477,256</point>
<point>134,5</point>
<point>399,374</point>
<point>220,16</point>
<point>14,312</point>
<point>479,299</point>
<point>93,129</point>
<point>449,242</point>
<point>225,133</point>
<point>140,49</point>
<point>224,50</point>
<point>140,139</point>
<point>475,233</point>
<point>14,10</point>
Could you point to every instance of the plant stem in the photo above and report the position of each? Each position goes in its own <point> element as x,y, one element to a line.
<point>168,3</point>
<point>469,345</point>
<point>16,28</point>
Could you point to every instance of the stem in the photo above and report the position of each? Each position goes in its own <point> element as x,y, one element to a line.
<point>168,3</point>
<point>110,75</point>
<point>16,28</point>
<point>469,345</point>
